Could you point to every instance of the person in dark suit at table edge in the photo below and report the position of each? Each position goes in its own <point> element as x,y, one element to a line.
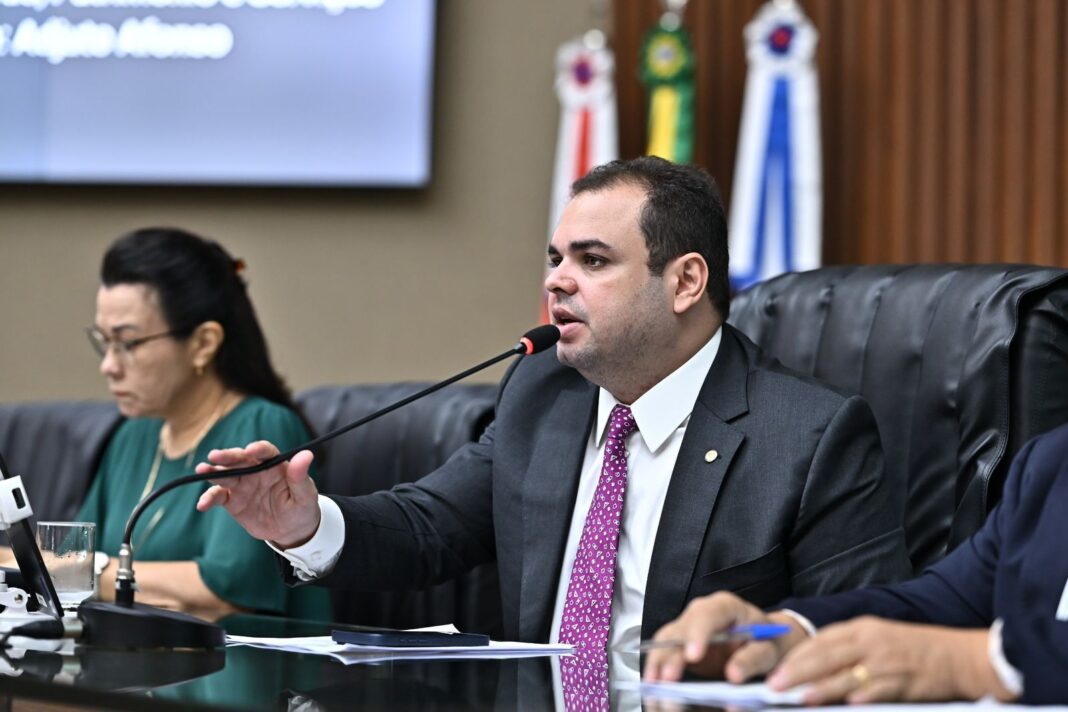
<point>989,619</point>
<point>741,475</point>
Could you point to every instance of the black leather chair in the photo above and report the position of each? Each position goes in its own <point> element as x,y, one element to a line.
<point>56,448</point>
<point>961,364</point>
<point>402,447</point>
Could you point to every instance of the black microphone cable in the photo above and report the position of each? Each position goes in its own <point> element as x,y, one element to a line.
<point>537,339</point>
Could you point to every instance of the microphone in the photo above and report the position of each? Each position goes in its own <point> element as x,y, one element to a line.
<point>534,341</point>
<point>537,339</point>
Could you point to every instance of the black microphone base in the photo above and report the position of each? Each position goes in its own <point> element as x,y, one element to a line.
<point>140,626</point>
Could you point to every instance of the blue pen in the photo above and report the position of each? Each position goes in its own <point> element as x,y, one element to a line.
<point>748,631</point>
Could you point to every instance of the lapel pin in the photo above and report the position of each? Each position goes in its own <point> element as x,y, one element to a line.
<point>711,456</point>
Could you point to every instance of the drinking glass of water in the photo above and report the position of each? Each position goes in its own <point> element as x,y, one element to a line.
<point>68,549</point>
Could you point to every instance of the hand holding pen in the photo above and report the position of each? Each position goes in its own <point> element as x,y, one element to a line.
<point>721,636</point>
<point>737,634</point>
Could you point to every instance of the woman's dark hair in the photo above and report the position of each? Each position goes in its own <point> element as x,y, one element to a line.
<point>196,281</point>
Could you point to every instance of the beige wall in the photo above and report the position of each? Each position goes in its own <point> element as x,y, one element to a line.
<point>351,286</point>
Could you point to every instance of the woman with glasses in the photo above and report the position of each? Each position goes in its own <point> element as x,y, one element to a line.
<point>186,361</point>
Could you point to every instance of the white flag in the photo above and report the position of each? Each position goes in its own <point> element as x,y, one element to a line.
<point>588,126</point>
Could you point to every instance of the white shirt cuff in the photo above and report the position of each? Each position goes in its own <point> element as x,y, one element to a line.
<point>805,623</point>
<point>1011,678</point>
<point>319,554</point>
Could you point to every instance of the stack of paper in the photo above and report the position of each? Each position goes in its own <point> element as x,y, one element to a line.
<point>349,654</point>
<point>717,693</point>
<point>759,696</point>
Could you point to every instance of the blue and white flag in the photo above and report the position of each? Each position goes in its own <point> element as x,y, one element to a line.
<point>777,195</point>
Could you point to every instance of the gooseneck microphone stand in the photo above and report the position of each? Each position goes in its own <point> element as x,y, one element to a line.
<point>129,624</point>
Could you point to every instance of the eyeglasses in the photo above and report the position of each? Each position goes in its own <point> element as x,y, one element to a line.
<point>101,342</point>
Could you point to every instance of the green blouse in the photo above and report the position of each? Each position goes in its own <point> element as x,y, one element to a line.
<point>236,567</point>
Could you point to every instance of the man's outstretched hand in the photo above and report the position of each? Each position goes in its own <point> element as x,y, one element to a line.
<point>280,505</point>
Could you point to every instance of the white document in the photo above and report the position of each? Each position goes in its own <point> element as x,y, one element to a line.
<point>983,705</point>
<point>755,694</point>
<point>759,695</point>
<point>349,654</point>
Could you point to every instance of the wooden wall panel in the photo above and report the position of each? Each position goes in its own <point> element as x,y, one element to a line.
<point>895,239</point>
<point>1060,236</point>
<point>986,60</point>
<point>944,122</point>
<point>1046,78</point>
<point>959,195</point>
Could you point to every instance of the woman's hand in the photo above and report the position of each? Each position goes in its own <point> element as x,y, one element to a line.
<point>280,505</point>
<point>176,585</point>
<point>869,660</point>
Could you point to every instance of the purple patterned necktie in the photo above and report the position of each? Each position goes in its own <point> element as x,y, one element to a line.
<point>588,606</point>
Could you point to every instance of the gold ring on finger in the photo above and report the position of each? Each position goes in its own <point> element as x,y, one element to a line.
<point>860,674</point>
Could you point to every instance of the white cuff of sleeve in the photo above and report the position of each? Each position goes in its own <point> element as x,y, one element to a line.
<point>318,556</point>
<point>100,562</point>
<point>1011,678</point>
<point>805,623</point>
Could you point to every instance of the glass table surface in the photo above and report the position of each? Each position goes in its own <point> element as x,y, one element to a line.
<point>246,678</point>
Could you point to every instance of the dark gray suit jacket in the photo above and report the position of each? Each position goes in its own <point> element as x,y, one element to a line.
<point>796,503</point>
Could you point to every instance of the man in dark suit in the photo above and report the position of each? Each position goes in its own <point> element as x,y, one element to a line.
<point>740,475</point>
<point>989,619</point>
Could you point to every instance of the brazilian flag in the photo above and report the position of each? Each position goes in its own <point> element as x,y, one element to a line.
<point>667,71</point>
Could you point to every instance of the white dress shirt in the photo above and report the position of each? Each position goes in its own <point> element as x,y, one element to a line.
<point>662,414</point>
<point>319,554</point>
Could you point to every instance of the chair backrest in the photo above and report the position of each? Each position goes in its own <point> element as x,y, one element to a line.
<point>402,447</point>
<point>961,364</point>
<point>56,448</point>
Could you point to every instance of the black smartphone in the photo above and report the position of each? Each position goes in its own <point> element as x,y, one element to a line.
<point>386,638</point>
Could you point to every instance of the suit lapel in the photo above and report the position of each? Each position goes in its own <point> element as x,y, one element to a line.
<point>551,479</point>
<point>695,483</point>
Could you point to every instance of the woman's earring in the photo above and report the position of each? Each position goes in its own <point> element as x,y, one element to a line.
<point>199,370</point>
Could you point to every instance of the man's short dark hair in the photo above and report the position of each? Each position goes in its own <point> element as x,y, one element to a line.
<point>683,213</point>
